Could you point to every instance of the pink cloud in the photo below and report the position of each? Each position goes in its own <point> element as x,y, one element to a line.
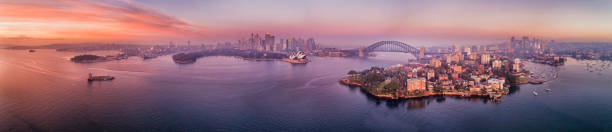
<point>74,20</point>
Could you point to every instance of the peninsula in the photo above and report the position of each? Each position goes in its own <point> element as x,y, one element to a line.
<point>253,55</point>
<point>478,75</point>
<point>94,58</point>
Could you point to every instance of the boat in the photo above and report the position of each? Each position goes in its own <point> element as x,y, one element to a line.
<point>31,50</point>
<point>185,58</point>
<point>99,78</point>
<point>548,90</point>
<point>535,93</point>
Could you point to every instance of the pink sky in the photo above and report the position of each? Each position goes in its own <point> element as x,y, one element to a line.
<point>31,22</point>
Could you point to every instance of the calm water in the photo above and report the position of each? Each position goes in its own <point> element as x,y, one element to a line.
<point>43,91</point>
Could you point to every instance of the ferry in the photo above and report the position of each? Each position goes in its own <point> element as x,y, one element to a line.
<point>99,78</point>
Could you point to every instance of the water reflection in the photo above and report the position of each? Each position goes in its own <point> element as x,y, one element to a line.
<point>43,92</point>
<point>419,103</point>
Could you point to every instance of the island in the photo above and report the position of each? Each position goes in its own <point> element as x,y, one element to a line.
<point>252,55</point>
<point>87,58</point>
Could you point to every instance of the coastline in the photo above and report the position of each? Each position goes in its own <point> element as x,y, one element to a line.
<point>87,58</point>
<point>425,93</point>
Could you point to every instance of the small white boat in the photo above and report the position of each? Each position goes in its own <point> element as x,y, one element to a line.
<point>535,93</point>
<point>548,90</point>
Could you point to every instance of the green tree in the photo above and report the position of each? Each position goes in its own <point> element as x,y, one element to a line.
<point>352,72</point>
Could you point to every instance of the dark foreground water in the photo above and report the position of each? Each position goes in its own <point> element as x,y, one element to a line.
<point>43,91</point>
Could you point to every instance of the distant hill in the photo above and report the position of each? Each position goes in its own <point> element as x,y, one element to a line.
<point>78,47</point>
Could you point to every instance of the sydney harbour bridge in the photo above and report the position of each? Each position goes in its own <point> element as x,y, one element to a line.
<point>395,46</point>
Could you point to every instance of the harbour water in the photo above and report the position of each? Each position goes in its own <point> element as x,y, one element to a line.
<point>44,91</point>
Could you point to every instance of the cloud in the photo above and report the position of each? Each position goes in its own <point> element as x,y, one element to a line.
<point>74,20</point>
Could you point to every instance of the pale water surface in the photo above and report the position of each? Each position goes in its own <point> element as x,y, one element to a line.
<point>43,91</point>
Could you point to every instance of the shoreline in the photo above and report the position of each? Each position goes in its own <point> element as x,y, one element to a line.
<point>497,95</point>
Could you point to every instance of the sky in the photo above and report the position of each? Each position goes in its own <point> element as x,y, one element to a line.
<point>336,23</point>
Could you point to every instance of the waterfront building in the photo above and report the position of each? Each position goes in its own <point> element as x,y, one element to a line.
<point>431,74</point>
<point>457,68</point>
<point>496,84</point>
<point>430,86</point>
<point>517,61</point>
<point>516,67</point>
<point>409,75</point>
<point>474,88</point>
<point>416,84</point>
<point>487,87</point>
<point>497,64</point>
<point>442,77</point>
<point>446,84</point>
<point>476,79</point>
<point>435,62</point>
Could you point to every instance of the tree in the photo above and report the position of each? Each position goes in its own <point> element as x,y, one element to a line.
<point>352,72</point>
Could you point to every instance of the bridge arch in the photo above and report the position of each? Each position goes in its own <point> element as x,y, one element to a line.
<point>392,46</point>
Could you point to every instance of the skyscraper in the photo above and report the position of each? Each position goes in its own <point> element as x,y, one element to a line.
<point>310,44</point>
<point>255,42</point>
<point>485,59</point>
<point>268,42</point>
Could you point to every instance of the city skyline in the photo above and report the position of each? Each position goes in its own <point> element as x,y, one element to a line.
<point>313,65</point>
<point>334,23</point>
